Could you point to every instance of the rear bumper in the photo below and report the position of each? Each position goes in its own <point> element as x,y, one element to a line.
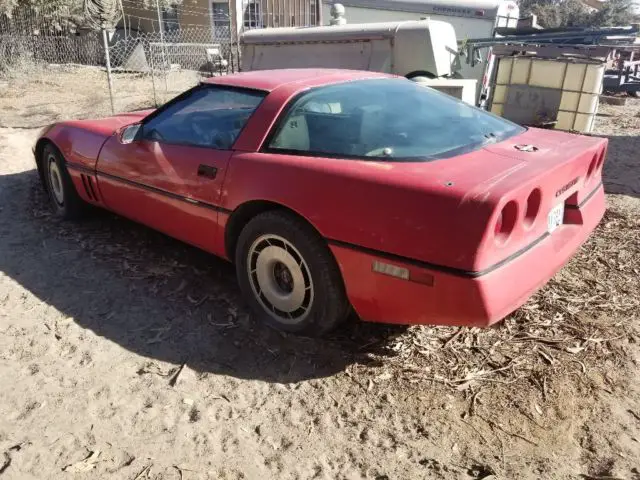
<point>465,299</point>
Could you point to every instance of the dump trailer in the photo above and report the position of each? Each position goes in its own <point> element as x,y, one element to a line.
<point>413,49</point>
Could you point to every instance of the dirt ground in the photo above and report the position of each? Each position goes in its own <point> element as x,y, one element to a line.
<point>125,354</point>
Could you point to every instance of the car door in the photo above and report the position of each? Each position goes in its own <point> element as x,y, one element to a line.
<point>170,175</point>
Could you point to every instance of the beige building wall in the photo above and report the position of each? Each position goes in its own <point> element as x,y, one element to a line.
<point>139,19</point>
<point>199,14</point>
<point>195,14</point>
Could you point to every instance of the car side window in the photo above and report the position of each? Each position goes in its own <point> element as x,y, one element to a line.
<point>210,116</point>
<point>307,123</point>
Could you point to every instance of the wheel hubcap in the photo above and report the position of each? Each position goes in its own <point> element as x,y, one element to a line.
<point>283,277</point>
<point>55,180</point>
<point>280,279</point>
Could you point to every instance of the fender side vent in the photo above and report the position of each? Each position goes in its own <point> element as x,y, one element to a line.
<point>85,183</point>
<point>93,192</point>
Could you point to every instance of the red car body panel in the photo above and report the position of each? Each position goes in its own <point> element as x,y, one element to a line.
<point>454,299</point>
<point>437,218</point>
<point>165,169</point>
<point>412,209</point>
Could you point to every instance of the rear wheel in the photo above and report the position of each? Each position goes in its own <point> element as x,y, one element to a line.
<point>62,193</point>
<point>289,276</point>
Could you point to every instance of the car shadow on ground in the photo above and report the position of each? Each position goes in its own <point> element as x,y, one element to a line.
<point>158,297</point>
<point>621,173</point>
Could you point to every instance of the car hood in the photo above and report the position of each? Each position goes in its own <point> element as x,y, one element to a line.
<point>80,141</point>
<point>109,125</point>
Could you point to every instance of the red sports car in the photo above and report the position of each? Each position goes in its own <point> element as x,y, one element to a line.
<point>335,190</point>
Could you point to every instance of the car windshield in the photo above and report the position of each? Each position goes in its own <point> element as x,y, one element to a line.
<point>388,119</point>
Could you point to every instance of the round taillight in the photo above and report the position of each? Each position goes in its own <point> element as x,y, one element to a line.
<point>506,222</point>
<point>534,201</point>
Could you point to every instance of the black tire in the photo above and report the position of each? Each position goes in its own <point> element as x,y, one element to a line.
<point>328,304</point>
<point>420,73</point>
<point>64,199</point>
<point>633,93</point>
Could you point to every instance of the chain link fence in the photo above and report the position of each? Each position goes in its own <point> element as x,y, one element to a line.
<point>45,36</point>
<point>16,50</point>
<point>154,67</point>
<point>51,69</point>
<point>44,78</point>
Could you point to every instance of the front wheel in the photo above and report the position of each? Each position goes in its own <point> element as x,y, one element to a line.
<point>289,276</point>
<point>62,193</point>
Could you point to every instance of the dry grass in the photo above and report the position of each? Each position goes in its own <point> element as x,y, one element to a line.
<point>34,95</point>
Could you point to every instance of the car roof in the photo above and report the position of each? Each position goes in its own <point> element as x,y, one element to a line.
<point>269,80</point>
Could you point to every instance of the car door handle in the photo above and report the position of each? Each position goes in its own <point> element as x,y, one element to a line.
<point>207,171</point>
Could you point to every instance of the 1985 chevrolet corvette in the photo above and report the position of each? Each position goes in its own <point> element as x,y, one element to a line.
<point>335,190</point>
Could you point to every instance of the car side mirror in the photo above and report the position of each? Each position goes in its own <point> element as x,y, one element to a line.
<point>130,133</point>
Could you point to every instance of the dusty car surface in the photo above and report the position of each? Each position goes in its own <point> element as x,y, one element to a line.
<point>336,190</point>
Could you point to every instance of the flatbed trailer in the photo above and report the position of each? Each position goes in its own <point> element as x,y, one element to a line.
<point>623,71</point>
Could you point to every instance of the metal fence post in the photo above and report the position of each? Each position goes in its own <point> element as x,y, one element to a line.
<point>105,45</point>
<point>164,59</point>
<point>153,80</point>
<point>235,29</point>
